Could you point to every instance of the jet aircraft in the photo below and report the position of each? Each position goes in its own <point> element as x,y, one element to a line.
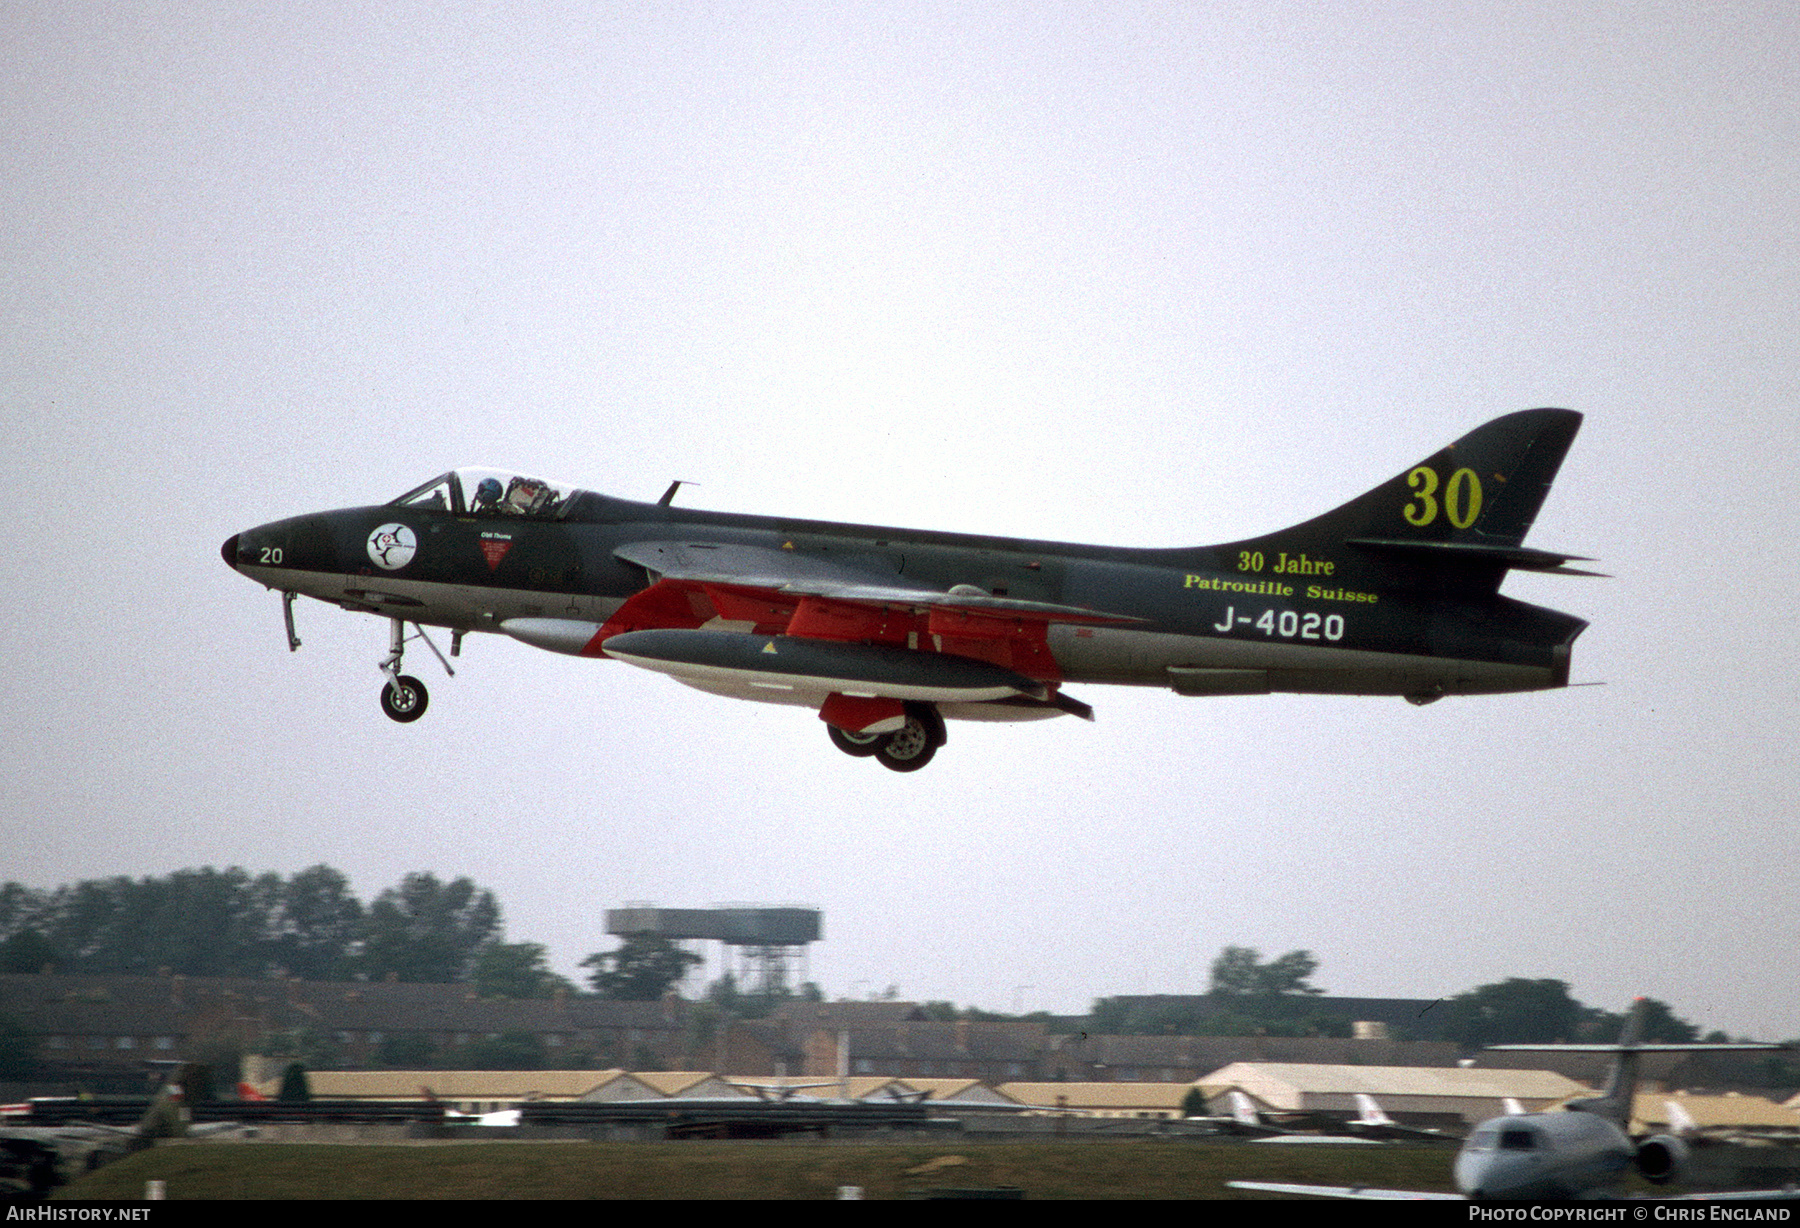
<point>887,633</point>
<point>35,1159</point>
<point>1245,1120</point>
<point>1372,1121</point>
<point>1584,1150</point>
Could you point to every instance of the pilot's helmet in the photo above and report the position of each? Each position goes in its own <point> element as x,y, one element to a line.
<point>488,491</point>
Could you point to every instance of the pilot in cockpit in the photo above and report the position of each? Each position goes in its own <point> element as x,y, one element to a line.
<point>487,497</point>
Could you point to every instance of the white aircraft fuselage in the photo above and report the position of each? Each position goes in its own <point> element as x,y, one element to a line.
<point>1540,1156</point>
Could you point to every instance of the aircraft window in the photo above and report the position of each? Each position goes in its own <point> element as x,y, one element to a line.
<point>1483,1140</point>
<point>1518,1140</point>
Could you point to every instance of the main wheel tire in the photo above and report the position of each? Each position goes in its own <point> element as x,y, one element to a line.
<point>933,721</point>
<point>409,704</point>
<point>858,745</point>
<point>912,746</point>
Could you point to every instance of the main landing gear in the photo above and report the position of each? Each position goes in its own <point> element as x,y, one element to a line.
<point>403,697</point>
<point>907,749</point>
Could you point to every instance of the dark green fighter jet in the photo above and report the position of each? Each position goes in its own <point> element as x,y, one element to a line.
<point>886,633</point>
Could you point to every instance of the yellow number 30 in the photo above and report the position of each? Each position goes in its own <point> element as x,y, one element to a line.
<point>1462,497</point>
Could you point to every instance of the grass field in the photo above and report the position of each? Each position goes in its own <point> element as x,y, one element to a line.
<point>747,1170</point>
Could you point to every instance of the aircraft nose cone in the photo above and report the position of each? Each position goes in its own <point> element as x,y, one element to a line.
<point>229,551</point>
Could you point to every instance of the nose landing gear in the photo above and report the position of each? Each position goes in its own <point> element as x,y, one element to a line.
<point>403,697</point>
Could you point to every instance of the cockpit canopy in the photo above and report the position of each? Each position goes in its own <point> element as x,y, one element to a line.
<point>492,492</point>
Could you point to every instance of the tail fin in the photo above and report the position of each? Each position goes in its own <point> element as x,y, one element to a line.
<point>1244,1110</point>
<point>1467,506</point>
<point>1615,1102</point>
<point>1621,1081</point>
<point>171,1110</point>
<point>1680,1120</point>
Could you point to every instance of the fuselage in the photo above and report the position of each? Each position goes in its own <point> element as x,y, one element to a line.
<point>1205,620</point>
<point>1544,1156</point>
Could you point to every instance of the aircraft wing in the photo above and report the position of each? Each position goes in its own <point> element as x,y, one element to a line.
<point>1365,1193</point>
<point>792,575</point>
<point>786,626</point>
<point>1361,1193</point>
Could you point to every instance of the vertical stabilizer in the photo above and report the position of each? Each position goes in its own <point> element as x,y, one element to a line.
<point>1615,1102</point>
<point>1458,517</point>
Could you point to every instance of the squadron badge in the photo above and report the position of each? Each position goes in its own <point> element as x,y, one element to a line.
<point>392,546</point>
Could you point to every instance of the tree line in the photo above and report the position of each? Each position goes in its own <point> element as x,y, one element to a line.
<point>229,923</point>
<point>209,922</point>
<point>1248,997</point>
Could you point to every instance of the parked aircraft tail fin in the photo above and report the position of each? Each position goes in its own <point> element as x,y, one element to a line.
<point>170,1112</point>
<point>1615,1100</point>
<point>1680,1120</point>
<point>1244,1110</point>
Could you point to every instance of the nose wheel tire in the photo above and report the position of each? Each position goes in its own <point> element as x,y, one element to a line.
<point>404,699</point>
<point>912,746</point>
<point>860,745</point>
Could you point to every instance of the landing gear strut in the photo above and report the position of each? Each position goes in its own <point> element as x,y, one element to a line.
<point>403,697</point>
<point>907,749</point>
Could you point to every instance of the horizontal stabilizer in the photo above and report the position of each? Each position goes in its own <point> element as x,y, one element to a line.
<point>1522,558</point>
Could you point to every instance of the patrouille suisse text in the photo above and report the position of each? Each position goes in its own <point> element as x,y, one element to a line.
<point>1275,588</point>
<point>1266,588</point>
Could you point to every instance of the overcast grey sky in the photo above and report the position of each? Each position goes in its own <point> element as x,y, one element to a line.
<point>1152,274</point>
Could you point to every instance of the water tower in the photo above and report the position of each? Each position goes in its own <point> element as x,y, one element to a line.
<point>769,943</point>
